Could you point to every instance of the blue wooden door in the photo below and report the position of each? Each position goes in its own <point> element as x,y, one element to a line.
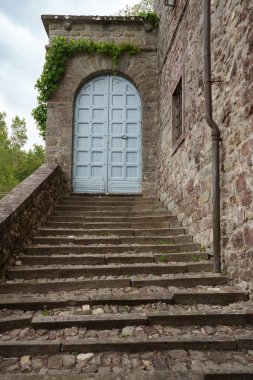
<point>107,137</point>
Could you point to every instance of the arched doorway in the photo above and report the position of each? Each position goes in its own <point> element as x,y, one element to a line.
<point>107,137</point>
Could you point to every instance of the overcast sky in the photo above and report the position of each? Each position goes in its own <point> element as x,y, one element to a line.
<point>22,49</point>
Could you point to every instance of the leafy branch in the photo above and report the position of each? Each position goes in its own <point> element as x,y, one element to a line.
<point>60,50</point>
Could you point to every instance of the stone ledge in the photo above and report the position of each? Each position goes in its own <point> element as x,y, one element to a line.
<point>21,193</point>
<point>46,19</point>
<point>25,208</point>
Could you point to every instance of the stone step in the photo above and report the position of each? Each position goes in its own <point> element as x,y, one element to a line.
<point>105,249</point>
<point>45,286</point>
<point>112,321</point>
<point>110,199</point>
<point>112,258</point>
<point>155,240</point>
<point>125,344</point>
<point>105,270</point>
<point>15,322</point>
<point>110,202</point>
<point>106,208</point>
<point>60,300</point>
<point>107,225</point>
<point>238,373</point>
<point>107,232</point>
<point>135,220</point>
<point>111,212</point>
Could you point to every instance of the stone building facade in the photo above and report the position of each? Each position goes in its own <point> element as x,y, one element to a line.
<point>168,73</point>
<point>184,169</point>
<point>140,70</point>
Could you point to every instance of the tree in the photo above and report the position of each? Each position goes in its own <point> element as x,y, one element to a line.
<point>144,6</point>
<point>3,128</point>
<point>18,134</point>
<point>15,163</point>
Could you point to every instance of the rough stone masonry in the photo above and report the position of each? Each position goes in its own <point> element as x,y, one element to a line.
<point>184,171</point>
<point>180,174</point>
<point>140,69</point>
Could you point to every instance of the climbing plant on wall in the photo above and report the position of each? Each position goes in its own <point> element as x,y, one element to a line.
<point>60,50</point>
<point>143,9</point>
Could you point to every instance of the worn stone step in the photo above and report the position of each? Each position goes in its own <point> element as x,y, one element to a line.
<point>155,240</point>
<point>161,374</point>
<point>110,213</point>
<point>134,375</point>
<point>107,198</point>
<point>186,280</point>
<point>107,231</point>
<point>156,344</point>
<point>209,318</point>
<point>189,297</point>
<point>111,321</point>
<point>134,220</point>
<point>81,232</point>
<point>105,270</point>
<point>106,208</point>
<point>125,344</point>
<point>100,322</point>
<point>56,300</point>
<point>15,322</point>
<point>104,202</point>
<point>159,231</point>
<point>106,249</point>
<point>107,225</point>
<point>38,347</point>
<point>112,258</point>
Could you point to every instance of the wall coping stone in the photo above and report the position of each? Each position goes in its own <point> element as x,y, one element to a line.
<point>25,208</point>
<point>21,193</point>
<point>47,19</point>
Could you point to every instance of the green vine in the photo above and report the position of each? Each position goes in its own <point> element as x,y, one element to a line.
<point>150,17</point>
<point>60,50</point>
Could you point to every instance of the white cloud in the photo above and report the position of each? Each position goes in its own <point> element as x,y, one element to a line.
<point>22,49</point>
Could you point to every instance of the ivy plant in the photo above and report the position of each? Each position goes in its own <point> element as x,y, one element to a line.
<point>57,55</point>
<point>151,18</point>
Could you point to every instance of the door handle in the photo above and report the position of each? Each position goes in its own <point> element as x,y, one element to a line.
<point>124,137</point>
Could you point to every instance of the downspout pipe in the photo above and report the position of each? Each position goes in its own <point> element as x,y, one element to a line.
<point>215,137</point>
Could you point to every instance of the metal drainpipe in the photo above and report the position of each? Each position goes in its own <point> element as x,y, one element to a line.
<point>215,137</point>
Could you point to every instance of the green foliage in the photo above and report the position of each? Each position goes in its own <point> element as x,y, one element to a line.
<point>163,259</point>
<point>160,242</point>
<point>15,163</point>
<point>196,259</point>
<point>143,9</point>
<point>45,312</point>
<point>150,17</point>
<point>202,248</point>
<point>60,50</point>
<point>18,134</point>
<point>144,6</point>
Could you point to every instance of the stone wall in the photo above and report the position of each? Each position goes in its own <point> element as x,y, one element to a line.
<point>25,208</point>
<point>184,174</point>
<point>140,69</point>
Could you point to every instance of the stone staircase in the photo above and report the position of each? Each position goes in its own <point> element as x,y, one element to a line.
<point>113,285</point>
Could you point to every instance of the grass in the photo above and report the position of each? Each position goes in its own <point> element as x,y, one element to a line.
<point>195,259</point>
<point>182,250</point>
<point>202,248</point>
<point>45,312</point>
<point>161,242</point>
<point>162,258</point>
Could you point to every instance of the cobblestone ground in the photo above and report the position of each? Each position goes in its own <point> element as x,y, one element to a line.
<point>118,363</point>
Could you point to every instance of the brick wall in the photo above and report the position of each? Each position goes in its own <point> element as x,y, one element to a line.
<point>184,176</point>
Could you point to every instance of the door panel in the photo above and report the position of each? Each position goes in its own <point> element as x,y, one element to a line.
<point>107,137</point>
